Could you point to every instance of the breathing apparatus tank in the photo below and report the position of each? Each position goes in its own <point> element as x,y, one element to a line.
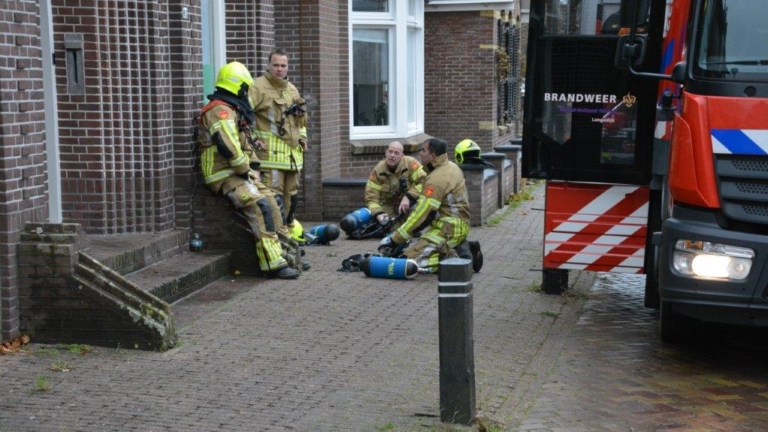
<point>322,234</point>
<point>355,220</point>
<point>390,268</point>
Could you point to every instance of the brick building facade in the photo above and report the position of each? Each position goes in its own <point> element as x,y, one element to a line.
<point>128,87</point>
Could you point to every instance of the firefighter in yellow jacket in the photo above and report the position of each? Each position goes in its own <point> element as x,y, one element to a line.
<point>280,133</point>
<point>443,208</point>
<point>394,185</point>
<point>224,148</point>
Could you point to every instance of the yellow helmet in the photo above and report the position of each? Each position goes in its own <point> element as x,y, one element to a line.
<point>297,232</point>
<point>465,149</point>
<point>234,78</point>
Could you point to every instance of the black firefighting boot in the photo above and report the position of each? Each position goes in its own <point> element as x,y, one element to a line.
<point>285,273</point>
<point>477,255</point>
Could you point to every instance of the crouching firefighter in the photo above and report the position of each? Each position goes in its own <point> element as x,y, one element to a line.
<point>393,187</point>
<point>442,212</point>
<point>224,147</point>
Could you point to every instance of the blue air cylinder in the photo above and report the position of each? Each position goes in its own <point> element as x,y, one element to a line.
<point>390,268</point>
<point>323,234</point>
<point>355,220</point>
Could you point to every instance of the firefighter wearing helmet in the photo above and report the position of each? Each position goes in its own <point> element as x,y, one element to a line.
<point>443,208</point>
<point>230,166</point>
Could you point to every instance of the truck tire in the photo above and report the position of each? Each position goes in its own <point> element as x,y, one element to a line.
<point>652,298</point>
<point>651,264</point>
<point>678,328</point>
<point>672,325</point>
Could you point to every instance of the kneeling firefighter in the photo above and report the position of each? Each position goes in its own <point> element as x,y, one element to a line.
<point>224,145</point>
<point>439,223</point>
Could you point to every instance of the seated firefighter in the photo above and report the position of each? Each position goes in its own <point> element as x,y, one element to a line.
<point>224,148</point>
<point>443,208</point>
<point>467,153</point>
<point>393,187</point>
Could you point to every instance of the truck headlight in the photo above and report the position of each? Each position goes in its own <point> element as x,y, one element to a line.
<point>712,260</point>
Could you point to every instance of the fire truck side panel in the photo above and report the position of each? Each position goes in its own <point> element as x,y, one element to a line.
<point>595,227</point>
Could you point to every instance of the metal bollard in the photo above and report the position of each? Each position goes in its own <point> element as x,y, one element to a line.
<point>457,357</point>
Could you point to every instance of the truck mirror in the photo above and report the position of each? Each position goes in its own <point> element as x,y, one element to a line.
<point>678,72</point>
<point>630,51</point>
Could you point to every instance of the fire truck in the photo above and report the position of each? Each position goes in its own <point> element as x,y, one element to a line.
<point>649,121</point>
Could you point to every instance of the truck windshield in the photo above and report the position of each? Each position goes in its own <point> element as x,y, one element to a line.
<point>732,41</point>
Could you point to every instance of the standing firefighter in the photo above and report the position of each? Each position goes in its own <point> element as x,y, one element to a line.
<point>224,148</point>
<point>280,132</point>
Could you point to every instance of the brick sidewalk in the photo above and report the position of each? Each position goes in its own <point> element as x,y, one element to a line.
<point>330,351</point>
<point>615,374</point>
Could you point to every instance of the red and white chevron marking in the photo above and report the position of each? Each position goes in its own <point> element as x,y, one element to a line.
<point>595,227</point>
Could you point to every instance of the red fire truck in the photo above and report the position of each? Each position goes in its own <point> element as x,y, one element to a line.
<point>649,121</point>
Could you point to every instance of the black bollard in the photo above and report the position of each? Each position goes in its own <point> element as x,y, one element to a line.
<point>457,357</point>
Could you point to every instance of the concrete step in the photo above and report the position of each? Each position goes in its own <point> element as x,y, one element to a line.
<point>126,253</point>
<point>181,275</point>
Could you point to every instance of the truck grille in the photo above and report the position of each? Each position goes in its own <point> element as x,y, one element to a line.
<point>743,184</point>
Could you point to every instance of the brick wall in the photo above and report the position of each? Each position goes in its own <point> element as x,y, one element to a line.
<point>460,70</point>
<point>23,188</point>
<point>186,93</point>
<point>250,33</point>
<point>116,126</point>
<point>342,197</point>
<point>314,33</point>
<point>483,190</point>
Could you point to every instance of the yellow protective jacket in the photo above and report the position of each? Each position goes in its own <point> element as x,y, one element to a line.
<point>281,121</point>
<point>223,147</point>
<point>443,201</point>
<point>385,187</point>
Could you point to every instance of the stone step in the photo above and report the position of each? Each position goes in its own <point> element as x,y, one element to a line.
<point>126,253</point>
<point>181,275</point>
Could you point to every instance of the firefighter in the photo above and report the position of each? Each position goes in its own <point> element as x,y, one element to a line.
<point>443,208</point>
<point>224,147</point>
<point>394,185</point>
<point>280,133</point>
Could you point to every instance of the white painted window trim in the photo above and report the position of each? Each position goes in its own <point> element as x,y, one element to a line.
<point>216,21</point>
<point>55,214</point>
<point>398,22</point>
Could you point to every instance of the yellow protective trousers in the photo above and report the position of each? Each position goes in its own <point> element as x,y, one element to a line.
<point>436,243</point>
<point>258,205</point>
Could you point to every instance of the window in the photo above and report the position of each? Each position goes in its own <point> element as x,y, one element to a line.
<point>386,86</point>
<point>213,40</point>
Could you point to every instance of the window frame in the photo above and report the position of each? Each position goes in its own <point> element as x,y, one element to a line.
<point>399,22</point>
<point>216,42</point>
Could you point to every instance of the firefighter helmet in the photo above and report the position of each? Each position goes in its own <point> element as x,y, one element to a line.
<point>234,78</point>
<point>466,149</point>
<point>297,232</point>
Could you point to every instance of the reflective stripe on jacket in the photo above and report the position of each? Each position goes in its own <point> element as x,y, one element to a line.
<point>443,200</point>
<point>280,132</point>
<point>384,188</point>
<point>220,147</point>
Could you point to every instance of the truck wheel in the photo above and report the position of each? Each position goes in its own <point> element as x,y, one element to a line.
<point>678,328</point>
<point>652,299</point>
<point>651,263</point>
